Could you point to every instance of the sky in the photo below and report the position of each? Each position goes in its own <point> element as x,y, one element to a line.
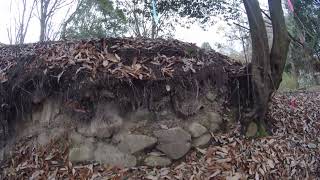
<point>214,34</point>
<point>34,29</point>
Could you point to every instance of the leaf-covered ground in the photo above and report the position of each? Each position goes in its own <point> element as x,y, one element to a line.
<point>291,152</point>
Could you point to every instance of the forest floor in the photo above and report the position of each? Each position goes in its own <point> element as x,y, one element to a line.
<point>292,151</point>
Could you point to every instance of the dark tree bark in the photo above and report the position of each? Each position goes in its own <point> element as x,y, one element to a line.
<point>153,29</point>
<point>43,19</point>
<point>267,66</point>
<point>260,57</point>
<point>280,44</point>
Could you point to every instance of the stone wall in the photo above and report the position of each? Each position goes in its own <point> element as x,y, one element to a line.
<point>124,139</point>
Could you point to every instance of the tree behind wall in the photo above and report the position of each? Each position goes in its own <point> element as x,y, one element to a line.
<point>304,26</point>
<point>17,30</point>
<point>94,19</point>
<point>46,9</point>
<point>267,64</point>
<point>307,22</point>
<point>206,46</point>
<point>140,20</point>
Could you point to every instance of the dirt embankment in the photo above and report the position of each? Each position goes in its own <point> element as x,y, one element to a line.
<point>122,102</point>
<point>133,73</point>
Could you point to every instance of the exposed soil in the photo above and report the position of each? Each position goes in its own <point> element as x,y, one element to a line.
<point>132,73</point>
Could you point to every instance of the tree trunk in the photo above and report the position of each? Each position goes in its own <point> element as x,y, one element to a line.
<point>267,68</point>
<point>260,60</point>
<point>136,20</point>
<point>43,19</point>
<point>71,17</point>
<point>281,41</point>
<point>153,30</point>
<point>42,30</point>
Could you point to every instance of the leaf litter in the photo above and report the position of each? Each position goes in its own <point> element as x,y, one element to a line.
<point>291,152</point>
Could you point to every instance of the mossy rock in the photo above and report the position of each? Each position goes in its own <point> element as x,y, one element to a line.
<point>252,130</point>
<point>256,130</point>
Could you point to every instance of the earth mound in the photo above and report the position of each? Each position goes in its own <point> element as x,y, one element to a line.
<point>129,98</point>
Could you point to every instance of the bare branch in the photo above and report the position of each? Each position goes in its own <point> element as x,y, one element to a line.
<point>246,28</point>
<point>19,21</point>
<point>47,10</point>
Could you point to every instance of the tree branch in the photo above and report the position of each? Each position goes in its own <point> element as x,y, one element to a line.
<point>281,41</point>
<point>241,26</point>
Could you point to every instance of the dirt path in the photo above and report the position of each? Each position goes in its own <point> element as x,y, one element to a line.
<point>291,151</point>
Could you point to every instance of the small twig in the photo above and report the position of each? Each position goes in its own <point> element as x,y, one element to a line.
<point>294,39</point>
<point>241,26</point>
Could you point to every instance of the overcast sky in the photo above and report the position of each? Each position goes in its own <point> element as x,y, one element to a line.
<point>213,35</point>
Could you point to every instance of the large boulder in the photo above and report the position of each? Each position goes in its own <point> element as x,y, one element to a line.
<point>175,150</point>
<point>81,153</point>
<point>135,143</point>
<point>174,142</point>
<point>176,134</point>
<point>46,135</point>
<point>212,120</point>
<point>108,154</point>
<point>202,141</point>
<point>196,129</point>
<point>157,161</point>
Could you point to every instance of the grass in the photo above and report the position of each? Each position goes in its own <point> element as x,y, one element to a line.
<point>288,82</point>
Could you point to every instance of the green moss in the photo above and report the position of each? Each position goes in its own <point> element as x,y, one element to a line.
<point>262,131</point>
<point>256,130</point>
<point>288,82</point>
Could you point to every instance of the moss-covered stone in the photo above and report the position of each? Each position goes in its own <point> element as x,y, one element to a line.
<point>252,130</point>
<point>256,130</point>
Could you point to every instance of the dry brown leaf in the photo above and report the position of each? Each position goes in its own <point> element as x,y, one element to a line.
<point>105,63</point>
<point>112,58</point>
